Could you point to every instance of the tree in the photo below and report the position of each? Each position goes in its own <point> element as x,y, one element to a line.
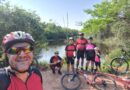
<point>103,14</point>
<point>17,19</point>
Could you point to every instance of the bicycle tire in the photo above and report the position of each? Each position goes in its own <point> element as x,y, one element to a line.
<point>104,82</point>
<point>119,66</point>
<point>70,82</point>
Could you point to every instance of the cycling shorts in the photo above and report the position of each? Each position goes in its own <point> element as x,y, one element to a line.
<point>70,60</point>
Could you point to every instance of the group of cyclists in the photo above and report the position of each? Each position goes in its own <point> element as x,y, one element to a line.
<point>80,49</point>
<point>18,48</point>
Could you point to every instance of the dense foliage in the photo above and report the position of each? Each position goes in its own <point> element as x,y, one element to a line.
<point>13,18</point>
<point>110,24</point>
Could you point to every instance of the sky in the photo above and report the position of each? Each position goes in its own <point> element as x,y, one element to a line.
<point>59,10</point>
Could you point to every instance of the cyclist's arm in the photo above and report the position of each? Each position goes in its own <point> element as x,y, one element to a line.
<point>51,61</point>
<point>61,60</point>
<point>66,50</point>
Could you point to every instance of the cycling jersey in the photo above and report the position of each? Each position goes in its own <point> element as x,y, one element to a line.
<point>90,46</point>
<point>9,81</point>
<point>80,44</point>
<point>90,52</point>
<point>97,57</point>
<point>55,59</point>
<point>70,50</point>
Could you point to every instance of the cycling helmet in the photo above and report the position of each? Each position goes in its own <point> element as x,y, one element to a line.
<point>90,38</point>
<point>16,37</point>
<point>56,52</point>
<point>71,38</point>
<point>81,33</point>
<point>96,48</point>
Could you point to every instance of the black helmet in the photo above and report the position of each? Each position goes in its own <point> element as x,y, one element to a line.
<point>81,34</point>
<point>90,38</point>
<point>56,52</point>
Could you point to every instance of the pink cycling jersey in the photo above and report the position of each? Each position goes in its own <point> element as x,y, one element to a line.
<point>90,46</point>
<point>97,58</point>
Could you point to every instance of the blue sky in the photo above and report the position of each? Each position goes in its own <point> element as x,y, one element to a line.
<point>57,10</point>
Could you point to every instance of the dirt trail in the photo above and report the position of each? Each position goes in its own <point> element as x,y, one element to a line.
<point>52,82</point>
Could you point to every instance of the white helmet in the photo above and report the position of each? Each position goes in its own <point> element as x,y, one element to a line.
<point>15,37</point>
<point>96,48</point>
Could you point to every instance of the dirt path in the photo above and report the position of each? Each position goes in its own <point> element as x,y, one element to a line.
<point>52,82</point>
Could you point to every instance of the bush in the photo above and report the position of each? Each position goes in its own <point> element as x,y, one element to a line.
<point>115,53</point>
<point>43,65</point>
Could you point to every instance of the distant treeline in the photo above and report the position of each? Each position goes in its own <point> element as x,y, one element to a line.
<point>14,18</point>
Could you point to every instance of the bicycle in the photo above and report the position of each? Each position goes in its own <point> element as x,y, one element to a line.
<point>120,64</point>
<point>99,81</point>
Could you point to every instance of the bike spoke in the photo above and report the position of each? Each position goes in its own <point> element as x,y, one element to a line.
<point>70,82</point>
<point>119,65</point>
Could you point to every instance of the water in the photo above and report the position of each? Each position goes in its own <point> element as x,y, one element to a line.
<point>47,54</point>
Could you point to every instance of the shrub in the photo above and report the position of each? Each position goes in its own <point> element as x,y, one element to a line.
<point>43,65</point>
<point>115,53</point>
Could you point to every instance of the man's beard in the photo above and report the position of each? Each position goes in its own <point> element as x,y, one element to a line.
<point>22,66</point>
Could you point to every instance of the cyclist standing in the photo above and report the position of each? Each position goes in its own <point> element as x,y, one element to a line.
<point>97,58</point>
<point>80,49</point>
<point>56,62</point>
<point>90,53</point>
<point>70,54</point>
<point>18,47</point>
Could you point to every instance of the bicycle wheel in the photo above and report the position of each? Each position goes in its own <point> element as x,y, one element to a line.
<point>119,66</point>
<point>70,81</point>
<point>104,82</point>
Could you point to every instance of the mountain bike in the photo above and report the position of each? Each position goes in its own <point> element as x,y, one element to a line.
<point>99,81</point>
<point>123,82</point>
<point>120,64</point>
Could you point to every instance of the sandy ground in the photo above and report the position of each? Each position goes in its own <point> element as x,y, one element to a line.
<point>52,82</point>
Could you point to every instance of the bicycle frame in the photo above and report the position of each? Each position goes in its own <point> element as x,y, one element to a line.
<point>125,55</point>
<point>85,75</point>
<point>99,81</point>
<point>125,82</point>
<point>88,81</point>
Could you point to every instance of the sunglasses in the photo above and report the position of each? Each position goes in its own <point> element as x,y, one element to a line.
<point>16,50</point>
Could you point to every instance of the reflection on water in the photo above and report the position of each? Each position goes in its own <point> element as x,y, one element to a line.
<point>46,54</point>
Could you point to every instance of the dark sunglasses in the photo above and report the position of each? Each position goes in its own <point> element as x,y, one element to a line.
<point>14,50</point>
